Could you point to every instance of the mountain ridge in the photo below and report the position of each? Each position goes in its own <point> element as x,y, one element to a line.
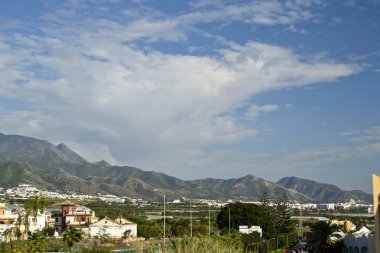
<point>321,192</point>
<point>40,163</point>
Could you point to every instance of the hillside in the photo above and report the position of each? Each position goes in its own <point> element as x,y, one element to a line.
<point>58,168</point>
<point>323,193</point>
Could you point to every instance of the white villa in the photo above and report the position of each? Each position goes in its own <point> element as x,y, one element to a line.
<point>114,229</point>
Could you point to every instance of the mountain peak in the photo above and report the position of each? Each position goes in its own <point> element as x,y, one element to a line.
<point>71,155</point>
<point>322,192</point>
<point>41,163</point>
<point>103,163</point>
<point>62,146</point>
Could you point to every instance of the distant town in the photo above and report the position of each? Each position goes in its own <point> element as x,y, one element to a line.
<point>26,191</point>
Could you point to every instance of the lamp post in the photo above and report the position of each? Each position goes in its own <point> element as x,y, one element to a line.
<point>209,219</point>
<point>191,221</point>
<point>253,243</point>
<point>278,237</point>
<point>268,243</point>
<point>287,240</point>
<point>229,220</point>
<point>163,193</point>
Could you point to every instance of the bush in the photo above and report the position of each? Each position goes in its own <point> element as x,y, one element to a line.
<point>97,250</point>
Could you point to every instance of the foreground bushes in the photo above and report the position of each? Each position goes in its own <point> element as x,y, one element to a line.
<point>202,244</point>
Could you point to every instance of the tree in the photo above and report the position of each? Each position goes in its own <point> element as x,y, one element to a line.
<point>267,219</point>
<point>18,224</point>
<point>71,236</point>
<point>200,229</point>
<point>241,214</point>
<point>48,231</point>
<point>250,239</point>
<point>37,243</point>
<point>148,231</point>
<point>103,235</point>
<point>9,234</point>
<point>179,228</point>
<point>26,221</point>
<point>282,215</point>
<point>319,237</point>
<point>127,233</point>
<point>38,204</point>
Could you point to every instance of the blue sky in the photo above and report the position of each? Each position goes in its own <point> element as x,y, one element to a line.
<point>199,89</point>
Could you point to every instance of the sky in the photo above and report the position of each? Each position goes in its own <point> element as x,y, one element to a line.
<point>197,89</point>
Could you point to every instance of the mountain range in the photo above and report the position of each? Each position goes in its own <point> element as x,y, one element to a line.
<point>58,168</point>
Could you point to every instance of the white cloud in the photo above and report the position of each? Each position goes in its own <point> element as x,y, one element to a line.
<point>361,144</point>
<point>364,136</point>
<point>27,122</point>
<point>89,84</point>
<point>127,95</point>
<point>91,151</point>
<point>255,110</point>
<point>152,25</point>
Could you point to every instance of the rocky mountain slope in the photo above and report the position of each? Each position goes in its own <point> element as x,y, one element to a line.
<point>321,192</point>
<point>58,168</point>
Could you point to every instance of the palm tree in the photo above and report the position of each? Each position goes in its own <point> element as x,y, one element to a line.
<point>38,204</point>
<point>320,233</point>
<point>8,234</point>
<point>37,243</point>
<point>26,221</point>
<point>71,236</point>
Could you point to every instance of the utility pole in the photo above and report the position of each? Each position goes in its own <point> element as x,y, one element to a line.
<point>191,222</point>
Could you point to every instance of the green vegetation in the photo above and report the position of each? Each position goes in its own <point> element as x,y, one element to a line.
<point>114,210</point>
<point>204,244</point>
<point>71,236</point>
<point>319,237</point>
<point>274,220</point>
<point>11,173</point>
<point>37,243</point>
<point>278,229</point>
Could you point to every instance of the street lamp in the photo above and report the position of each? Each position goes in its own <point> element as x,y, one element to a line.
<point>287,239</point>
<point>209,219</point>
<point>163,193</point>
<point>229,220</point>
<point>253,243</point>
<point>278,237</point>
<point>268,243</point>
<point>191,222</point>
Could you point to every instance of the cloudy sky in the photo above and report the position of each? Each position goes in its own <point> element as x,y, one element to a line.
<point>197,89</point>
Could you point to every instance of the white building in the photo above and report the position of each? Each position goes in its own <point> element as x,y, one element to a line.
<point>328,206</point>
<point>118,229</point>
<point>39,222</point>
<point>249,230</point>
<point>362,241</point>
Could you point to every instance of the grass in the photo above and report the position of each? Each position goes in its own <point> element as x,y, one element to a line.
<point>187,245</point>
